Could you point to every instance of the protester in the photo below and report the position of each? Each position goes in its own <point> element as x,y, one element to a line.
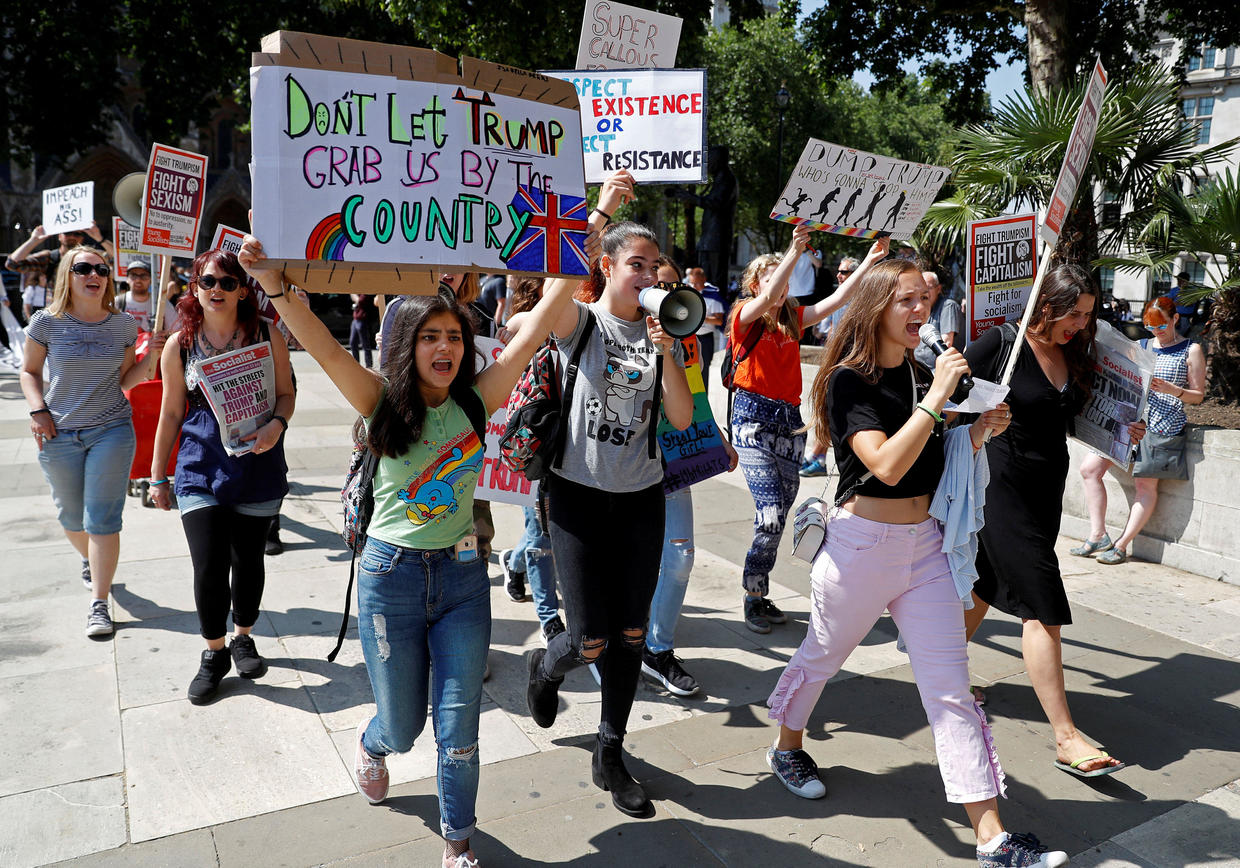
<point>883,551</point>
<point>226,501</point>
<point>81,422</point>
<point>815,463</point>
<point>140,303</point>
<point>1016,562</point>
<point>766,420</point>
<point>605,503</point>
<point>696,278</point>
<point>26,259</point>
<point>1179,379</point>
<point>361,330</point>
<point>1186,312</point>
<point>424,610</point>
<point>37,294</point>
<point>946,317</point>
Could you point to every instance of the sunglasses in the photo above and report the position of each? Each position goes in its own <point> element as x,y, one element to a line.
<point>85,268</point>
<point>1161,328</point>
<point>209,281</point>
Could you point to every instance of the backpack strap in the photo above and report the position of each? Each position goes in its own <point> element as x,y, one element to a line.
<point>370,464</point>
<point>652,436</point>
<point>747,344</point>
<point>570,378</point>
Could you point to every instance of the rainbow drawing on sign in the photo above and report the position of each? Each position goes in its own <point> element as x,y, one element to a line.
<point>327,241</point>
<point>851,231</point>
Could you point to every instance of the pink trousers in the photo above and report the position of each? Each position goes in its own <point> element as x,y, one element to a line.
<point>866,567</point>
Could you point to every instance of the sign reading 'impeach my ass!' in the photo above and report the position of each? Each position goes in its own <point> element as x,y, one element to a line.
<point>649,121</point>
<point>392,161</point>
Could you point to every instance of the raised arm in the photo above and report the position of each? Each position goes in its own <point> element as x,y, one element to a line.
<point>816,313</point>
<point>773,294</point>
<point>37,237</point>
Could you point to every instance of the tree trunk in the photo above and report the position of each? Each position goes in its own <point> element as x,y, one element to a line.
<point>1046,27</point>
<point>1078,239</point>
<point>1223,376</point>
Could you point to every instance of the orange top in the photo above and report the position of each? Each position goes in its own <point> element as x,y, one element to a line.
<point>773,369</point>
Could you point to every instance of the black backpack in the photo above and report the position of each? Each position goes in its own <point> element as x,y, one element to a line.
<point>358,496</point>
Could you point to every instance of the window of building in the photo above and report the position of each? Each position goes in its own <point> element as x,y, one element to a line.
<point>1204,60</point>
<point>1106,280</point>
<point>1199,112</point>
<point>1196,273</point>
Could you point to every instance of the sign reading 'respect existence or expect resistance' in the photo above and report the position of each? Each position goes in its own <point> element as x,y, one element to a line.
<point>1003,262</point>
<point>389,160</point>
<point>618,36</point>
<point>651,122</point>
<point>850,192</point>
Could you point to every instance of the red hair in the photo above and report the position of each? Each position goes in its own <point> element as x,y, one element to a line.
<point>1161,308</point>
<point>191,311</point>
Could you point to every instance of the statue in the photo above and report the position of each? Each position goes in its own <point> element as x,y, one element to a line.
<point>718,204</point>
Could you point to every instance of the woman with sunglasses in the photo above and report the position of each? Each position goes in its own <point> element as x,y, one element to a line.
<point>1179,379</point>
<point>226,501</point>
<point>1016,563</point>
<point>81,421</point>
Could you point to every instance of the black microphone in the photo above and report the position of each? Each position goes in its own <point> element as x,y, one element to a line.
<point>930,337</point>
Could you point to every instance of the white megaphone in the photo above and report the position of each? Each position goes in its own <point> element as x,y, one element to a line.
<point>127,198</point>
<point>681,311</point>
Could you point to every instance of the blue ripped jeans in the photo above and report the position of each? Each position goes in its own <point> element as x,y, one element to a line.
<point>416,608</point>
<point>770,450</point>
<point>674,570</point>
<point>533,555</point>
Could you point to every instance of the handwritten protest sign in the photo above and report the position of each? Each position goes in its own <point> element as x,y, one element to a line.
<point>240,387</point>
<point>1080,144</point>
<point>651,122</point>
<point>227,238</point>
<point>1003,264</point>
<point>618,36</point>
<point>172,200</point>
<point>497,481</point>
<point>384,161</point>
<point>697,452</point>
<point>1122,373</point>
<point>70,208</point>
<point>850,192</point>
<point>125,241</point>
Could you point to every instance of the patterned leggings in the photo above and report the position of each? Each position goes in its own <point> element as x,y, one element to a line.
<point>763,432</point>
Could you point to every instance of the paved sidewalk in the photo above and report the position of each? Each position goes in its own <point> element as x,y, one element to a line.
<point>104,762</point>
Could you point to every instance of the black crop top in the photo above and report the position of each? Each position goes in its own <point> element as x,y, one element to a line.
<point>854,405</point>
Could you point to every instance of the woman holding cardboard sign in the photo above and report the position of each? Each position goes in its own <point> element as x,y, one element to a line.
<point>227,494</point>
<point>424,605</point>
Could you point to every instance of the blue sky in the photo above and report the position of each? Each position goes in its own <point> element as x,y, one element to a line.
<point>1005,80</point>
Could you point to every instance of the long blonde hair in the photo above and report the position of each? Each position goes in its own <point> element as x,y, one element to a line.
<point>62,298</point>
<point>855,338</point>
<point>785,319</point>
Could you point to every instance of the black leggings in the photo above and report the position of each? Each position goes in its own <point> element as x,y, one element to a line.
<point>219,540</point>
<point>607,550</point>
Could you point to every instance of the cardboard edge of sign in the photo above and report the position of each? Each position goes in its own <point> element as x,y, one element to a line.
<point>408,63</point>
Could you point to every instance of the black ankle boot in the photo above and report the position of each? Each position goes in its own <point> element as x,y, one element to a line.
<point>610,775</point>
<point>542,695</point>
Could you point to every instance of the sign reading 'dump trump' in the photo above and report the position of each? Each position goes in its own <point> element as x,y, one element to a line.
<point>649,121</point>
<point>389,161</point>
<point>850,192</point>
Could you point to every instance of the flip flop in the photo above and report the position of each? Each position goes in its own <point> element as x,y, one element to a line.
<point>1073,768</point>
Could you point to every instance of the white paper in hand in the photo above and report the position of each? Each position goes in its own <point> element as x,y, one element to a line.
<point>985,396</point>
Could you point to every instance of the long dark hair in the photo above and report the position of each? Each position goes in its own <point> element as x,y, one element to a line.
<point>191,311</point>
<point>397,423</point>
<point>1061,290</point>
<point>615,238</point>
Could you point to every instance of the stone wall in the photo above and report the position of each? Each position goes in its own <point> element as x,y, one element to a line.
<point>1196,524</point>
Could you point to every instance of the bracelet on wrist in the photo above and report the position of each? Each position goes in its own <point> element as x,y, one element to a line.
<point>283,290</point>
<point>281,420</point>
<point>34,413</point>
<point>157,482</point>
<point>606,217</point>
<point>933,415</point>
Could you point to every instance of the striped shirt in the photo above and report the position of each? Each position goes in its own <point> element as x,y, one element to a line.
<point>84,360</point>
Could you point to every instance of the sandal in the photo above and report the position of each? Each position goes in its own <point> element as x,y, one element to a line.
<point>1074,768</point>
<point>1111,557</point>
<point>1089,548</point>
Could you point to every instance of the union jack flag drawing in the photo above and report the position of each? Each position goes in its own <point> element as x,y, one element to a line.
<point>551,233</point>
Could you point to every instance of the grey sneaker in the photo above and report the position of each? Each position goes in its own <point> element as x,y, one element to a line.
<point>86,573</point>
<point>1022,851</point>
<point>99,620</point>
<point>797,771</point>
<point>755,618</point>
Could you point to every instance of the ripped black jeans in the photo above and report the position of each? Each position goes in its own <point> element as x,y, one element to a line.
<point>607,549</point>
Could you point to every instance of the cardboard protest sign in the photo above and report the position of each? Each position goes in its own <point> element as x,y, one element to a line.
<point>125,241</point>
<point>172,199</point>
<point>618,36</point>
<point>1080,144</point>
<point>697,452</point>
<point>496,481</point>
<point>70,208</point>
<point>387,163</point>
<point>227,238</point>
<point>1122,373</point>
<point>850,192</point>
<point>651,122</point>
<point>241,388</point>
<point>1003,264</point>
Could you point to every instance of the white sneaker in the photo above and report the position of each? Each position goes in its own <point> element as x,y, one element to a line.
<point>99,620</point>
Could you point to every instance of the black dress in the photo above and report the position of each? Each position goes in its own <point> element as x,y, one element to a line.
<point>1018,571</point>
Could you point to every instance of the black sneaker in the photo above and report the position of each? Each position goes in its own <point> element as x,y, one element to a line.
<point>86,573</point>
<point>773,613</point>
<point>245,656</point>
<point>211,671</point>
<point>514,580</point>
<point>551,629</point>
<point>755,617</point>
<point>665,668</point>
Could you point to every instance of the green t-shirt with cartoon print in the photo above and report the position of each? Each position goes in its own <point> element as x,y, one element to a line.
<point>424,499</point>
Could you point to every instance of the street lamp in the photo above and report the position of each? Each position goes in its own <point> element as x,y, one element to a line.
<point>782,98</point>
